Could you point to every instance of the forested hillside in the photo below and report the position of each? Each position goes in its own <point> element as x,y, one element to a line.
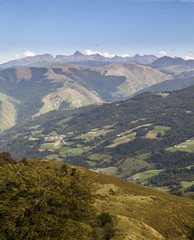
<point>140,139</point>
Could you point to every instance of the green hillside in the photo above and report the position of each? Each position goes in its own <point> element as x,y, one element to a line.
<point>35,91</point>
<point>68,202</point>
<point>150,134</point>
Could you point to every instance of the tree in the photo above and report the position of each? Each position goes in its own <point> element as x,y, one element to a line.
<point>36,203</point>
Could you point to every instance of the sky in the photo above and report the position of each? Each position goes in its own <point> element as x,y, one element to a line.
<point>109,27</point>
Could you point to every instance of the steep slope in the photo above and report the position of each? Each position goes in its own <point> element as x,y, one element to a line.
<point>130,211</point>
<point>8,113</point>
<point>137,77</point>
<point>40,90</point>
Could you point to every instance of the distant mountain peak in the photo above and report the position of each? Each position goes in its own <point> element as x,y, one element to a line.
<point>78,53</point>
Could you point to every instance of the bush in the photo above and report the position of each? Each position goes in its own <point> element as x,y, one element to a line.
<point>105,222</point>
<point>39,203</point>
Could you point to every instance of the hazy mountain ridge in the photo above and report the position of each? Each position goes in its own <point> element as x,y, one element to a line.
<point>169,61</point>
<point>77,58</point>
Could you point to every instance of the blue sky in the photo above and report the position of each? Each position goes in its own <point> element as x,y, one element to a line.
<point>120,27</point>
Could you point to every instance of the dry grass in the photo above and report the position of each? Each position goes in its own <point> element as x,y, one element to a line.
<point>140,213</point>
<point>8,112</point>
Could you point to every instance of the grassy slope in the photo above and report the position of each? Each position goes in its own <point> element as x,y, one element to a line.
<point>140,213</point>
<point>137,77</point>
<point>8,112</point>
<point>41,90</point>
<point>72,93</point>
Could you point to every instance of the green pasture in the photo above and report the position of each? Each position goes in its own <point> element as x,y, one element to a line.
<point>91,163</point>
<point>100,157</point>
<point>124,138</point>
<point>186,184</point>
<point>132,164</point>
<point>74,151</point>
<point>47,146</point>
<point>54,157</point>
<point>93,133</point>
<point>109,170</point>
<point>181,147</point>
<point>189,167</point>
<point>147,174</point>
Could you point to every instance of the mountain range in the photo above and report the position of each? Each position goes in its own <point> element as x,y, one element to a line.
<point>77,58</point>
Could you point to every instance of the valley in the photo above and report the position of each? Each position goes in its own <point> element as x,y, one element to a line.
<point>141,139</point>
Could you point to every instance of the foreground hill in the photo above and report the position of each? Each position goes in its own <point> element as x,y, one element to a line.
<point>120,210</point>
<point>147,139</point>
<point>26,92</point>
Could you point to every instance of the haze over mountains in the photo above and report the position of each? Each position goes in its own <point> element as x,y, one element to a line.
<point>169,61</point>
<point>36,85</point>
<point>77,58</point>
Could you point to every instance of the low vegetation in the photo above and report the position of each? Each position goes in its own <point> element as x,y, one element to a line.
<point>48,199</point>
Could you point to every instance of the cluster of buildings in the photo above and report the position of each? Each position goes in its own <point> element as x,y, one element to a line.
<point>57,138</point>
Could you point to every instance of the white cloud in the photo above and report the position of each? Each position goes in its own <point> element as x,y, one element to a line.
<point>189,55</point>
<point>162,53</point>
<point>28,53</point>
<point>123,55</point>
<point>105,54</point>
<point>188,58</point>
